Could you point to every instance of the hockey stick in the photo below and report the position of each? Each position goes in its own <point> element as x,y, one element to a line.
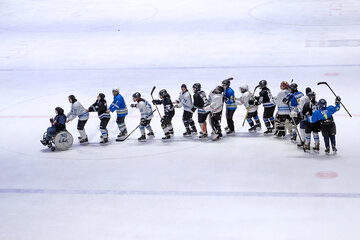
<point>321,83</point>
<point>248,109</point>
<point>135,128</point>
<point>152,91</point>
<point>297,130</point>
<point>229,79</point>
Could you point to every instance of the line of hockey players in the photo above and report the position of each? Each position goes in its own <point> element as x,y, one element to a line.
<point>293,108</point>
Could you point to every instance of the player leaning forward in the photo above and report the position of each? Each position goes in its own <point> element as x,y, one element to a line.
<point>215,108</point>
<point>121,111</point>
<point>169,113</point>
<point>185,101</point>
<point>146,115</point>
<point>77,110</point>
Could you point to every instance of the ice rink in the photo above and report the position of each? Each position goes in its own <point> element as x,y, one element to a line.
<point>247,186</point>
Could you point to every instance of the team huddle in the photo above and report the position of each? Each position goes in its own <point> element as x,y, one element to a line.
<point>294,108</point>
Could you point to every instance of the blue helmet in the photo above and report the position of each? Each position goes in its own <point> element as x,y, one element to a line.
<point>322,103</point>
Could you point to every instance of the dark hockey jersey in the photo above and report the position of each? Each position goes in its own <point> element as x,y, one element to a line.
<point>201,101</point>
<point>265,98</point>
<point>100,106</point>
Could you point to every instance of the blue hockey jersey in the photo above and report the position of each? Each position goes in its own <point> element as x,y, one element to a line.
<point>119,105</point>
<point>324,114</point>
<point>229,96</point>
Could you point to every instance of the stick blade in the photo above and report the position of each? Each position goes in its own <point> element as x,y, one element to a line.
<point>320,83</point>
<point>231,78</point>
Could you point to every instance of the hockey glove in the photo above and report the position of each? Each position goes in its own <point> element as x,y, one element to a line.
<point>337,100</point>
<point>156,102</point>
<point>51,120</point>
<point>133,105</point>
<point>251,102</point>
<point>193,109</point>
<point>143,122</point>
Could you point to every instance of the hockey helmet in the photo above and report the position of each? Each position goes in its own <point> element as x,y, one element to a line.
<point>284,85</point>
<point>322,103</point>
<point>197,87</point>
<point>219,89</point>
<point>311,95</point>
<point>307,90</point>
<point>102,96</point>
<point>226,83</point>
<point>263,83</point>
<point>116,89</point>
<point>73,99</point>
<point>59,110</point>
<point>163,92</point>
<point>294,87</point>
<point>244,88</point>
<point>136,96</point>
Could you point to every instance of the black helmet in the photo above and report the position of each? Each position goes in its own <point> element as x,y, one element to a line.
<point>136,96</point>
<point>263,83</point>
<point>59,110</point>
<point>102,96</point>
<point>226,83</point>
<point>322,103</point>
<point>73,99</point>
<point>197,87</point>
<point>307,90</point>
<point>293,87</point>
<point>311,95</point>
<point>162,93</point>
<point>220,89</point>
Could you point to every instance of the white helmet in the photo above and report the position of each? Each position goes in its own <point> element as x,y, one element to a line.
<point>244,88</point>
<point>116,89</point>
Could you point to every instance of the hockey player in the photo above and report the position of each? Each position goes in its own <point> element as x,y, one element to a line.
<point>169,112</point>
<point>100,106</point>
<point>229,97</point>
<point>248,100</point>
<point>146,115</point>
<point>121,111</point>
<point>58,124</point>
<point>265,98</point>
<point>283,113</point>
<point>200,102</point>
<point>293,102</point>
<point>185,101</point>
<point>303,100</point>
<point>328,127</point>
<point>77,110</point>
<point>215,108</point>
<point>307,111</point>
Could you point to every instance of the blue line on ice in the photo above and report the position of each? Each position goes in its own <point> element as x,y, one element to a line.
<point>181,193</point>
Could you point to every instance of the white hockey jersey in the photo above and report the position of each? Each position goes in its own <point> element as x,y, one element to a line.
<point>283,108</point>
<point>77,110</point>
<point>244,99</point>
<point>185,100</point>
<point>145,109</point>
<point>304,99</point>
<point>216,103</point>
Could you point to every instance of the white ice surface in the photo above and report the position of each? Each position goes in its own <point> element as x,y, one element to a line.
<point>242,187</point>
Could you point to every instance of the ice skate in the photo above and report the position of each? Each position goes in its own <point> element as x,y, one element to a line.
<point>166,137</point>
<point>187,133</point>
<point>151,134</point>
<point>316,147</point>
<point>85,140</point>
<point>334,148</point>
<point>307,146</point>
<point>327,150</point>
<point>142,138</point>
<point>268,131</point>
